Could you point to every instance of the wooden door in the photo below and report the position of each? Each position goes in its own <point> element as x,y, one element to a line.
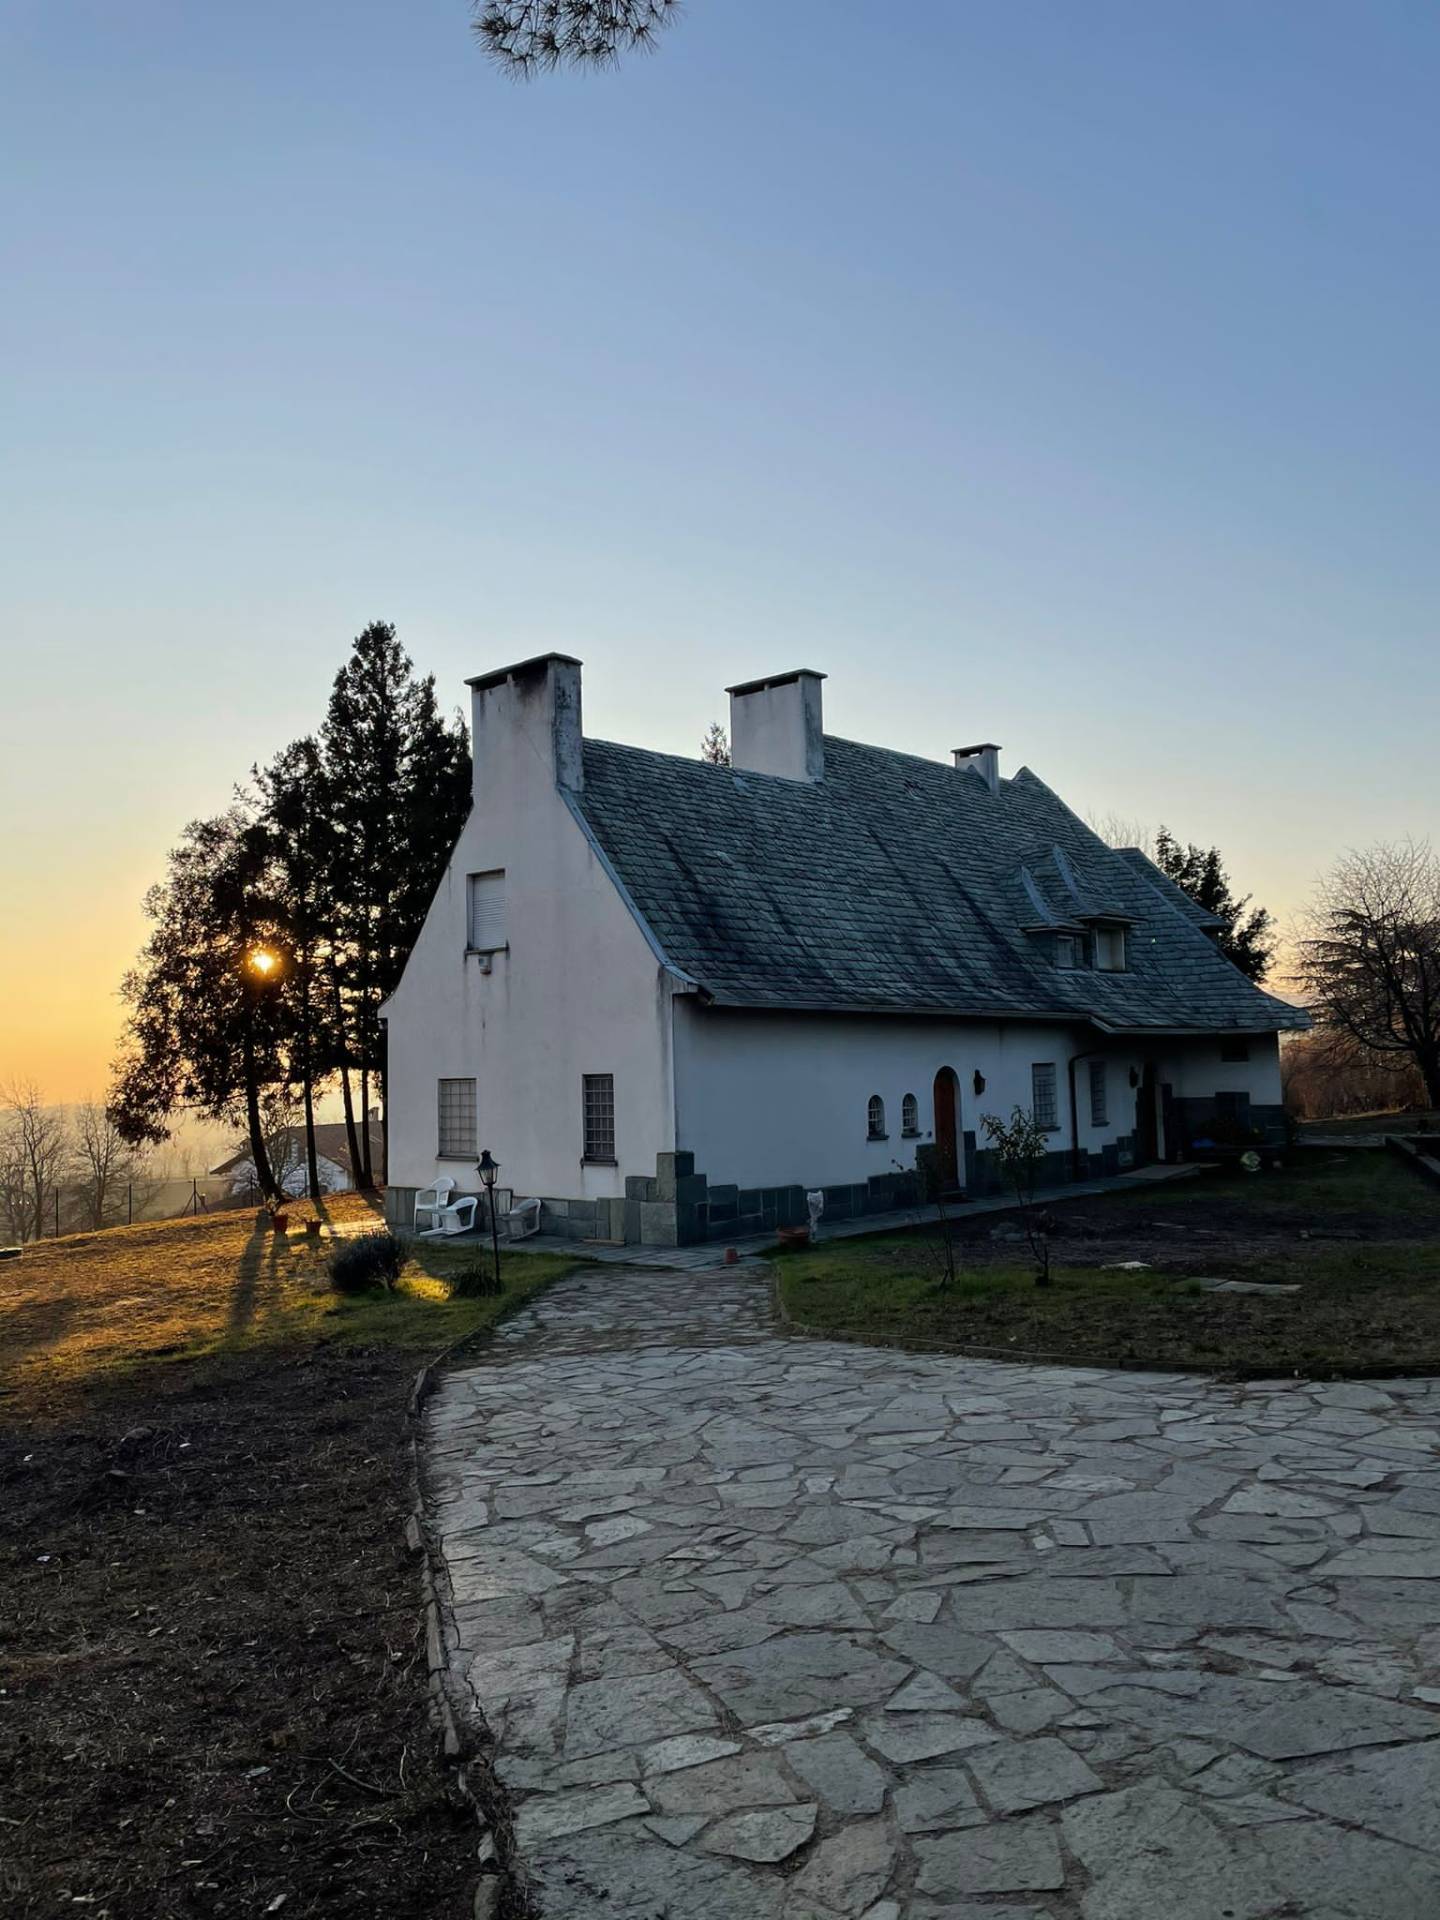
<point>947,1130</point>
<point>1147,1142</point>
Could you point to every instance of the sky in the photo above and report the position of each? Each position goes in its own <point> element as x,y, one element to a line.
<point>1057,375</point>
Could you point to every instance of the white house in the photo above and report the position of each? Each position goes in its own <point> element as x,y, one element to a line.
<point>670,997</point>
<point>287,1160</point>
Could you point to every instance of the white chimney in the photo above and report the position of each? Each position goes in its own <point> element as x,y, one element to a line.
<point>776,726</point>
<point>985,759</point>
<point>527,717</point>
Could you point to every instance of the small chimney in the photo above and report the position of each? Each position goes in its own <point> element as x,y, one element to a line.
<point>776,726</point>
<point>985,759</point>
<point>524,716</point>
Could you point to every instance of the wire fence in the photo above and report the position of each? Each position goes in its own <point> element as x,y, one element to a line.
<point>80,1209</point>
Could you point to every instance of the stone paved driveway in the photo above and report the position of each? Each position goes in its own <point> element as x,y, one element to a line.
<point>773,1629</point>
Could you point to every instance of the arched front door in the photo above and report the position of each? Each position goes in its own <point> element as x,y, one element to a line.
<point>947,1129</point>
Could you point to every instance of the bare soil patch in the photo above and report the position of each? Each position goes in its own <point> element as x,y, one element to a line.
<point>212,1667</point>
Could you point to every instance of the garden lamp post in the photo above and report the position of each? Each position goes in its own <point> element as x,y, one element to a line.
<point>488,1168</point>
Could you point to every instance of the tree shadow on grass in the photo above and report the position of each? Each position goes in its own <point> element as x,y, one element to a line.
<point>260,1258</point>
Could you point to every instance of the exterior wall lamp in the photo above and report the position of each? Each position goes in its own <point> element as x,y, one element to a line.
<point>979,1081</point>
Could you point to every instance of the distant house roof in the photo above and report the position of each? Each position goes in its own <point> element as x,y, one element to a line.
<point>898,885</point>
<point>331,1143</point>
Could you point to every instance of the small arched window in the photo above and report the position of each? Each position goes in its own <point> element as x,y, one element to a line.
<point>909,1116</point>
<point>875,1118</point>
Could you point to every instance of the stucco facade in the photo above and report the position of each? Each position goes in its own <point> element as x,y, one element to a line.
<point>547,967</point>
<point>574,990</point>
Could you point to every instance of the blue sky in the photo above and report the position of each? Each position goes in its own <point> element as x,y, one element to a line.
<point>1053,374</point>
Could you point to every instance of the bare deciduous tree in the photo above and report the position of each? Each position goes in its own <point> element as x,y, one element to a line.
<point>1368,956</point>
<point>526,37</point>
<point>104,1167</point>
<point>1327,1074</point>
<point>1120,830</point>
<point>34,1146</point>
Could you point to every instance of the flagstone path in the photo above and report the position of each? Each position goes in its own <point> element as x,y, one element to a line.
<point>768,1628</point>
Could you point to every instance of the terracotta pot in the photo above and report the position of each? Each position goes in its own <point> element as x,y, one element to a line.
<point>312,1229</point>
<point>732,1258</point>
<point>279,1222</point>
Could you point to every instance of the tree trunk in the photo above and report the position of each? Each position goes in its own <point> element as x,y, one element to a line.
<point>307,1083</point>
<point>352,1139</point>
<point>259,1157</point>
<point>366,1181</point>
<point>383,1088</point>
<point>1430,1074</point>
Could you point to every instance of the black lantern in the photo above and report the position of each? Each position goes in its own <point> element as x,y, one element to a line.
<point>488,1168</point>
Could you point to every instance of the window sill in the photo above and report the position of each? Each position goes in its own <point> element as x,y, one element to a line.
<point>877,1136</point>
<point>469,1159</point>
<point>598,1160</point>
<point>911,1133</point>
<point>485,953</point>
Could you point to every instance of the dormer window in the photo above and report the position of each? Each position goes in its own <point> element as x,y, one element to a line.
<point>1067,951</point>
<point>1110,949</point>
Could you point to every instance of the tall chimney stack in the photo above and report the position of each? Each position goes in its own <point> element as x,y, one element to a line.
<point>776,726</point>
<point>985,759</point>
<point>526,716</point>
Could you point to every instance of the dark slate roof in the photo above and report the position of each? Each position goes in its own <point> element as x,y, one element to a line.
<point>897,885</point>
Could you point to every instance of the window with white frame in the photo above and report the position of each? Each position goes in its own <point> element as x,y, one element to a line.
<point>909,1116</point>
<point>599,1117</point>
<point>1066,951</point>
<point>457,1120</point>
<point>875,1118</point>
<point>1044,1104</point>
<point>485,911</point>
<point>1110,949</point>
<point>1099,1094</point>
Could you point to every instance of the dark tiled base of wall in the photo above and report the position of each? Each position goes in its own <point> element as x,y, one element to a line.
<point>675,1206</point>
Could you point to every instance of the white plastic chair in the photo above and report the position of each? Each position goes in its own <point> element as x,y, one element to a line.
<point>451,1216</point>
<point>522,1220</point>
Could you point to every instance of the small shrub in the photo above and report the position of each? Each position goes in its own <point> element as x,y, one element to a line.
<point>372,1260</point>
<point>1020,1144</point>
<point>476,1280</point>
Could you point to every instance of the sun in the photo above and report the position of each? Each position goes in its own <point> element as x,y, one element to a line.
<point>260,960</point>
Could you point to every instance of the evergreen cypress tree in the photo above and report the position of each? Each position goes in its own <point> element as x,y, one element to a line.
<point>397,778</point>
<point>1246,938</point>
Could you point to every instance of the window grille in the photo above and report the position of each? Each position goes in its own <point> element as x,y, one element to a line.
<point>599,1113</point>
<point>1043,1102</point>
<point>909,1115</point>
<point>875,1118</point>
<point>457,1119</point>
<point>1099,1095</point>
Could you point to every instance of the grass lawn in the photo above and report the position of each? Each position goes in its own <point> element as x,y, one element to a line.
<point>212,1670</point>
<point>1356,1231</point>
